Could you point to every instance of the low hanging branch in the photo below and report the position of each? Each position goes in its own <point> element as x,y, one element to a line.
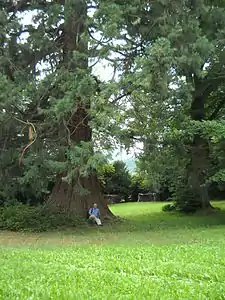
<point>32,135</point>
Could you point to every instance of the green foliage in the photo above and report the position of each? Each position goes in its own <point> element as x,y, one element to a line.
<point>44,82</point>
<point>169,207</point>
<point>115,179</point>
<point>177,94</point>
<point>19,217</point>
<point>169,90</point>
<point>138,185</point>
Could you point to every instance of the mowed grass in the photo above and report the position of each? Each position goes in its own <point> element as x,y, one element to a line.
<point>150,255</point>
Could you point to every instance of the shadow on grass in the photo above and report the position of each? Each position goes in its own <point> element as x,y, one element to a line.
<point>165,220</point>
<point>149,228</point>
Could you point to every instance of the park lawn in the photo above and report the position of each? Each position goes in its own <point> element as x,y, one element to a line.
<point>150,255</point>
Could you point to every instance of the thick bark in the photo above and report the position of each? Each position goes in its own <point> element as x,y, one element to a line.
<point>197,169</point>
<point>197,172</point>
<point>68,197</point>
<point>65,196</point>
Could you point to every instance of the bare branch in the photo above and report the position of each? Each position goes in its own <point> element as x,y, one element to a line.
<point>119,98</point>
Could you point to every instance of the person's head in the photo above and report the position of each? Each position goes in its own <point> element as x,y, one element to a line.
<point>95,205</point>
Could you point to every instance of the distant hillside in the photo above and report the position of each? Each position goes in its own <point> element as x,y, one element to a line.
<point>130,163</point>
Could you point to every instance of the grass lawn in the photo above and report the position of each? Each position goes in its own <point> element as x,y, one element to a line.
<point>150,255</point>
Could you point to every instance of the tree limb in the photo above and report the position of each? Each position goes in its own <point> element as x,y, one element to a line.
<point>119,98</point>
<point>217,109</point>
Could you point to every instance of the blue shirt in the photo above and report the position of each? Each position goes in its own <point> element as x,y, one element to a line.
<point>94,211</point>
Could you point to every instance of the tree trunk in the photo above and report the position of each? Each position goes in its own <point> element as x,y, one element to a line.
<point>70,197</point>
<point>79,195</point>
<point>197,170</point>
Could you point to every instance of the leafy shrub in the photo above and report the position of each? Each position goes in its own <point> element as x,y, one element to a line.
<point>186,198</point>
<point>187,202</point>
<point>169,207</point>
<point>34,218</point>
<point>188,206</point>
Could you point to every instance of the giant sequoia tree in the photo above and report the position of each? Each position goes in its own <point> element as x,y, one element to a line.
<point>47,80</point>
<point>67,195</point>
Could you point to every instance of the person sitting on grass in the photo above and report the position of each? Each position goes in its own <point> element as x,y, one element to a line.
<point>94,215</point>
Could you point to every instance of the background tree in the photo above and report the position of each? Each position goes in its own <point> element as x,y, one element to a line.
<point>175,65</point>
<point>116,179</point>
<point>138,185</point>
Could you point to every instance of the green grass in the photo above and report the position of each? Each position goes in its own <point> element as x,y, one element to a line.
<point>150,255</point>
